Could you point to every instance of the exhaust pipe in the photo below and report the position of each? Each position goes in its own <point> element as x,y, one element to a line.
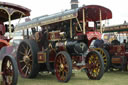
<point>74,4</point>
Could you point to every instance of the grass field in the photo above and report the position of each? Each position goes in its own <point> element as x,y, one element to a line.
<point>80,78</point>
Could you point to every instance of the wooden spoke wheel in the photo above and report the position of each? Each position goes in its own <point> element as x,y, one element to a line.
<point>27,59</point>
<point>106,58</point>
<point>95,64</point>
<point>63,66</point>
<point>9,71</point>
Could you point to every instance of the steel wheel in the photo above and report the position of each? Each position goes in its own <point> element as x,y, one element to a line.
<point>27,59</point>
<point>10,71</point>
<point>106,58</point>
<point>63,66</point>
<point>95,64</point>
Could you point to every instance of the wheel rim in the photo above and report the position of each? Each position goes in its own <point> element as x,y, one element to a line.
<point>24,59</point>
<point>8,72</point>
<point>94,66</point>
<point>104,56</point>
<point>61,67</point>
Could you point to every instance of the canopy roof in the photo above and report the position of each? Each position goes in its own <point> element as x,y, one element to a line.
<point>15,11</point>
<point>92,13</point>
<point>116,28</point>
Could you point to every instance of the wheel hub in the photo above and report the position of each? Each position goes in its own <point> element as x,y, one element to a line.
<point>61,67</point>
<point>26,59</point>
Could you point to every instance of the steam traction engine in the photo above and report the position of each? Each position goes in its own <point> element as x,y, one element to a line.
<point>9,70</point>
<point>118,50</point>
<point>59,43</point>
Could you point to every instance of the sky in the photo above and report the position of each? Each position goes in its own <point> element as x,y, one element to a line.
<point>119,8</point>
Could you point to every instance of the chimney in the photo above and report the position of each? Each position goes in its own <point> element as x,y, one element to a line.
<point>74,4</point>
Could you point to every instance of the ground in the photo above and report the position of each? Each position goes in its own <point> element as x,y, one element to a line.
<point>80,78</point>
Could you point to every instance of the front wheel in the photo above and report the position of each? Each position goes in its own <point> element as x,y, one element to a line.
<point>9,71</point>
<point>95,63</point>
<point>63,66</point>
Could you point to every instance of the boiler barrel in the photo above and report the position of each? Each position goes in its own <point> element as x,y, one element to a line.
<point>72,46</point>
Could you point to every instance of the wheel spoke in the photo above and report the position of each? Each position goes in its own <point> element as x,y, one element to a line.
<point>9,79</point>
<point>63,76</point>
<point>21,61</point>
<point>21,53</point>
<point>27,71</point>
<point>30,67</point>
<point>24,67</point>
<point>30,55</point>
<point>29,51</point>
<point>25,51</point>
<point>23,47</point>
<point>10,64</point>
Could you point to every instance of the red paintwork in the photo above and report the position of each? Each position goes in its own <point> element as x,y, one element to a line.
<point>2,29</point>
<point>93,13</point>
<point>92,35</point>
<point>77,58</point>
<point>3,43</point>
<point>52,55</point>
<point>117,50</point>
<point>126,54</point>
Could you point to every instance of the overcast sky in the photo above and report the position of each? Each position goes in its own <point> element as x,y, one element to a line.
<point>119,8</point>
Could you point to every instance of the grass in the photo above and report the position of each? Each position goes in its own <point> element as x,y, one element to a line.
<point>80,78</point>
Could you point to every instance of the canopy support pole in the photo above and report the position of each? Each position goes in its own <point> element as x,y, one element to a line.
<point>101,30</point>
<point>10,28</point>
<point>70,28</point>
<point>84,22</point>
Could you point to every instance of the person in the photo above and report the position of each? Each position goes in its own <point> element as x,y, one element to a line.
<point>115,41</point>
<point>124,41</point>
<point>98,43</point>
<point>45,37</point>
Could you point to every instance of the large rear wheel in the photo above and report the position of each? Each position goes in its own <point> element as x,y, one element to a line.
<point>63,66</point>
<point>95,63</point>
<point>27,59</point>
<point>9,71</point>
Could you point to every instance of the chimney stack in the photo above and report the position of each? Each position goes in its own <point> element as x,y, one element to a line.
<point>74,4</point>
